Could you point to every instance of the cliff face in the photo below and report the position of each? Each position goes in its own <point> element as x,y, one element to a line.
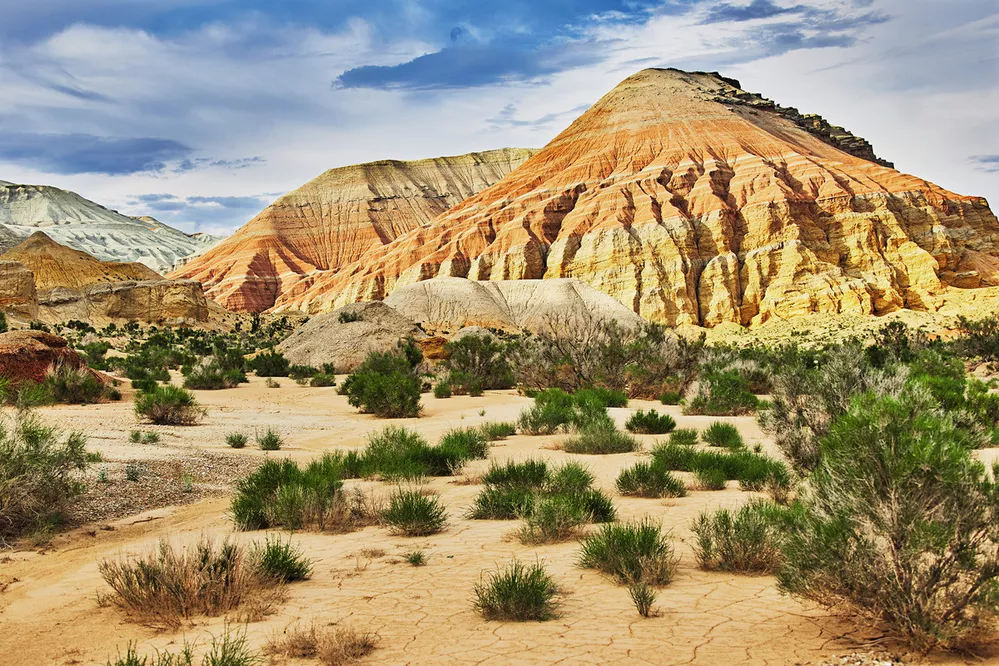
<point>55,265</point>
<point>334,219</point>
<point>692,201</point>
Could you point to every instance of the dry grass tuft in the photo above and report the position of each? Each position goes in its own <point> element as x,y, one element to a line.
<point>331,645</point>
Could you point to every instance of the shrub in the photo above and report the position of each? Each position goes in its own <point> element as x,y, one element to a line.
<point>413,513</point>
<point>711,478</point>
<point>442,390</point>
<point>631,552</point>
<point>556,410</point>
<point>386,385</point>
<point>554,518</point>
<point>167,585</point>
<point>270,364</point>
<point>650,423</point>
<point>269,441</point>
<point>752,470</point>
<point>526,474</point>
<point>684,437</point>
<point>397,453</point>
<point>724,393</point>
<point>74,386</point>
<point>38,474</point>
<point>670,398</point>
<point>601,438</point>
<point>211,377</point>
<point>322,379</point>
<point>518,593</point>
<point>724,435</point>
<point>747,540</point>
<point>133,472</point>
<point>896,471</point>
<point>332,645</point>
<point>478,362</point>
<point>643,596</point>
<point>168,405</point>
<point>150,437</point>
<point>417,558</point>
<point>281,561</point>
<point>502,503</point>
<point>649,480</point>
<point>302,372</point>
<point>465,444</point>
<point>272,383</point>
<point>348,317</point>
<point>236,440</point>
<point>601,397</point>
<point>496,430</point>
<point>135,436</point>
<point>228,649</point>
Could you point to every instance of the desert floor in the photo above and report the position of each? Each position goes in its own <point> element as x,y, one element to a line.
<point>48,612</point>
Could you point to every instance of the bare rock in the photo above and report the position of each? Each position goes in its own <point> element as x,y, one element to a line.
<point>28,355</point>
<point>17,290</point>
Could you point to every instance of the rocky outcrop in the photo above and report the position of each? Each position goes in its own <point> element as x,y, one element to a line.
<point>55,265</point>
<point>448,305</point>
<point>18,295</point>
<point>346,336</point>
<point>28,355</point>
<point>161,302</point>
<point>89,227</point>
<point>334,219</point>
<point>691,209</point>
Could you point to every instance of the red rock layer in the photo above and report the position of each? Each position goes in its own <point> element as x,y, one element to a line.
<point>28,355</point>
<point>334,219</point>
<point>688,209</point>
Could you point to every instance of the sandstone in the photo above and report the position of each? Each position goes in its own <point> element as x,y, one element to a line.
<point>691,201</point>
<point>28,355</point>
<point>451,304</point>
<point>346,336</point>
<point>161,302</point>
<point>17,290</point>
<point>333,220</point>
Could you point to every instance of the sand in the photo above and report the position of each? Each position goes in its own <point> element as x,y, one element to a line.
<point>48,613</point>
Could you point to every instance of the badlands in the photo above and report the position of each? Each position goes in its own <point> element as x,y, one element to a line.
<point>704,380</point>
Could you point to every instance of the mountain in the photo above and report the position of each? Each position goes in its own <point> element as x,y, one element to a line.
<point>331,221</point>
<point>55,265</point>
<point>692,201</point>
<point>71,220</point>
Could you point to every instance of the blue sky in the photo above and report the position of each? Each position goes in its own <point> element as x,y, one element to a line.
<point>200,112</point>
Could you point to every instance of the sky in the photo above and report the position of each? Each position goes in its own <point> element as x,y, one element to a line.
<point>202,112</point>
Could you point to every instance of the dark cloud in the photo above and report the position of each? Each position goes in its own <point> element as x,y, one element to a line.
<point>207,162</point>
<point>986,163</point>
<point>757,9</point>
<point>86,153</point>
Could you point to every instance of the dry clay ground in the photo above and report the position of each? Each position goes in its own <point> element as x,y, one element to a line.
<point>48,613</point>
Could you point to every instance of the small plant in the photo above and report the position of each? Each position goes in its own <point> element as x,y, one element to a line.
<point>643,596</point>
<point>412,513</point>
<point>442,390</point>
<point>554,518</point>
<point>711,479</point>
<point>270,441</point>
<point>93,457</point>
<point>133,472</point>
<point>135,436</point>
<point>650,423</point>
<point>649,480</point>
<point>322,379</point>
<point>272,383</point>
<point>723,393</point>
<point>236,440</point>
<point>417,558</point>
<point>601,438</point>
<point>229,649</point>
<point>631,552</point>
<point>465,444</point>
<point>670,398</point>
<point>76,386</point>
<point>684,437</point>
<point>150,437</point>
<point>187,483</point>
<point>723,435</point>
<point>348,317</point>
<point>495,430</point>
<point>747,540</point>
<point>279,560</point>
<point>331,645</point>
<point>518,593</point>
<point>168,405</point>
<point>103,476</point>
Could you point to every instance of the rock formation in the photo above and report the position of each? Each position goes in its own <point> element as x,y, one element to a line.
<point>28,355</point>
<point>55,265</point>
<point>84,225</point>
<point>332,220</point>
<point>691,201</point>
<point>449,304</point>
<point>346,336</point>
<point>18,295</point>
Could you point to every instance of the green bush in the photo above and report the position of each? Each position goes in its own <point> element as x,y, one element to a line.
<point>212,377</point>
<point>650,423</point>
<point>322,379</point>
<point>74,386</point>
<point>236,440</point>
<point>270,364</point>
<point>752,470</point>
<point>279,560</point>
<point>600,397</point>
<point>465,443</point>
<point>413,513</point>
<point>227,649</point>
<point>601,438</point>
<point>168,405</point>
<point>555,410</point>
<point>478,362</point>
<point>670,398</point>
<point>518,593</point>
<point>526,474</point>
<point>725,393</point>
<point>900,523</point>
<point>554,518</point>
<point>398,453</point>
<point>270,441</point>
<point>302,372</point>
<point>442,390</point>
<point>38,475</point>
<point>496,430</point>
<point>710,478</point>
<point>649,480</point>
<point>747,540</point>
<point>630,552</point>
<point>684,437</point>
<point>723,435</point>
<point>386,385</point>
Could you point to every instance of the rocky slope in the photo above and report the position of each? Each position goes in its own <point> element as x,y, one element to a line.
<point>332,220</point>
<point>692,201</point>
<point>84,225</point>
<point>55,265</point>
